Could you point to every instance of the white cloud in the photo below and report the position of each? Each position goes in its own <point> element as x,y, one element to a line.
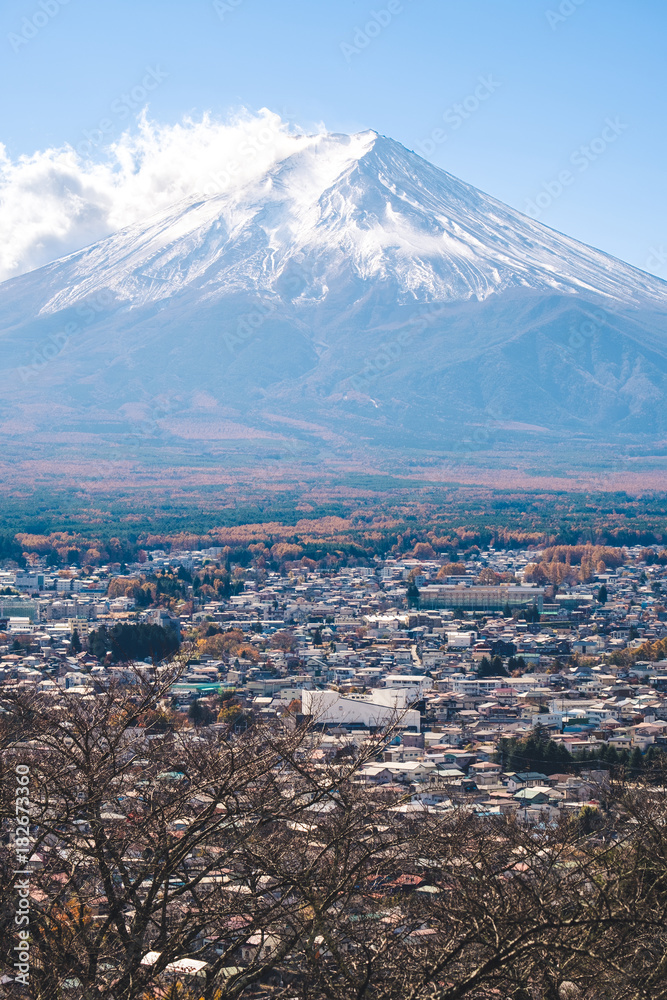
<point>56,201</point>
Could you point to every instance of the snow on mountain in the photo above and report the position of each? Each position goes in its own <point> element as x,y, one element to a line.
<point>361,201</point>
<point>353,285</point>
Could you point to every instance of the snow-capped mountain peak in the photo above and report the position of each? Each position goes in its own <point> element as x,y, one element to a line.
<point>350,287</point>
<point>361,206</point>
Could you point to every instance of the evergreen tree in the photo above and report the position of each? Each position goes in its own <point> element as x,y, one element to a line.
<point>516,663</point>
<point>536,752</point>
<point>610,755</point>
<point>636,763</point>
<point>589,820</point>
<point>142,597</point>
<point>200,714</point>
<point>540,733</point>
<point>195,712</point>
<point>413,595</point>
<point>133,642</point>
<point>504,749</point>
<point>517,759</point>
<point>498,668</point>
<point>654,757</point>
<point>484,667</point>
<point>491,668</point>
<point>98,642</point>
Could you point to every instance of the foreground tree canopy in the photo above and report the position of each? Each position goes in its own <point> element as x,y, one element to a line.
<point>283,876</point>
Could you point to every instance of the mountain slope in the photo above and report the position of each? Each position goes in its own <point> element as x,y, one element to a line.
<point>356,298</point>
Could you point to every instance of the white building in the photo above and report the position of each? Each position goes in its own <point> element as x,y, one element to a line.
<point>414,685</point>
<point>376,709</point>
<point>461,640</point>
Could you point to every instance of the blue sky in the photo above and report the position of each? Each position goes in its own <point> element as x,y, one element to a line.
<point>546,89</point>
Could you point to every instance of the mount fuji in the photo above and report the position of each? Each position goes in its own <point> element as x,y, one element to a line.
<point>354,300</point>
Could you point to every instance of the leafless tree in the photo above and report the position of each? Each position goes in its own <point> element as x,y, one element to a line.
<point>282,874</point>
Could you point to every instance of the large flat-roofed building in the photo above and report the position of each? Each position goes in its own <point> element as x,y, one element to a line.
<point>378,709</point>
<point>491,598</point>
<point>16,607</point>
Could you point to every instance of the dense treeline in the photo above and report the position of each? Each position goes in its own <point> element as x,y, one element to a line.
<point>650,651</point>
<point>11,549</point>
<point>537,752</point>
<point>579,554</point>
<point>133,642</point>
<point>349,545</point>
<point>67,528</point>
